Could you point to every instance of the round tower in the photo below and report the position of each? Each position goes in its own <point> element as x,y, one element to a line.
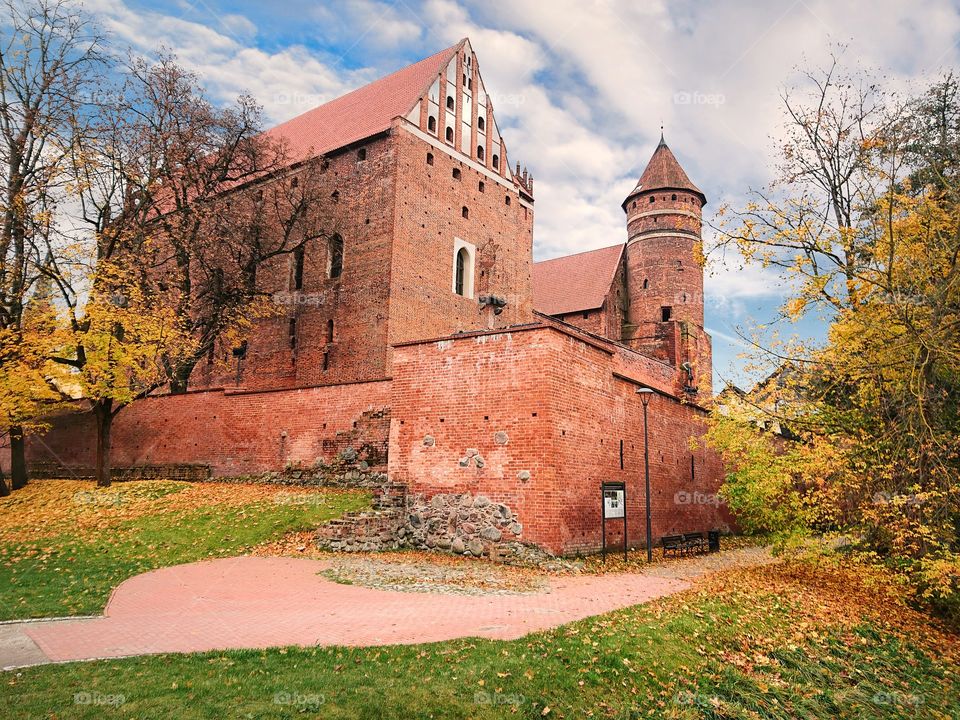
<point>664,272</point>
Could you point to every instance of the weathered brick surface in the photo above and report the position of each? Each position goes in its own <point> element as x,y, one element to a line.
<point>429,216</point>
<point>356,302</point>
<point>563,412</point>
<point>235,434</point>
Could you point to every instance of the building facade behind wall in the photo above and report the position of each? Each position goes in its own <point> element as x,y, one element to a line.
<point>421,337</point>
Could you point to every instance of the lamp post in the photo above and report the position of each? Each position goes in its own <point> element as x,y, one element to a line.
<point>645,394</point>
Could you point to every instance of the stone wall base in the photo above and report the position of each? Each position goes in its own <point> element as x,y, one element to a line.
<point>456,523</point>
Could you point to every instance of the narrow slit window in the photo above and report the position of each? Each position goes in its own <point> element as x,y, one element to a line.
<point>293,333</point>
<point>481,123</point>
<point>329,331</point>
<point>429,158</point>
<point>336,256</point>
<point>298,258</point>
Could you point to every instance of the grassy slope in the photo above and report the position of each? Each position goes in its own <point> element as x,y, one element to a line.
<point>74,572</point>
<point>777,642</point>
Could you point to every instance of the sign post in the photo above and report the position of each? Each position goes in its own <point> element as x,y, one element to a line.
<point>613,506</point>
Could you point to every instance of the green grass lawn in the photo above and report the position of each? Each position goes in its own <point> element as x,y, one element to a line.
<point>776,642</point>
<point>136,527</point>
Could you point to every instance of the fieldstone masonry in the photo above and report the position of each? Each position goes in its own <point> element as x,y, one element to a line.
<point>458,523</point>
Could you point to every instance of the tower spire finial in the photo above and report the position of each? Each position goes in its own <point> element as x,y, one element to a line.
<point>662,141</point>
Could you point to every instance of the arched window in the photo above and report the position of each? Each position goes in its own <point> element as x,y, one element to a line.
<point>481,124</point>
<point>457,174</point>
<point>361,154</point>
<point>646,283</point>
<point>673,197</point>
<point>461,273</point>
<point>298,257</point>
<point>449,135</point>
<point>479,152</point>
<point>432,124</point>
<point>429,158</point>
<point>465,212</point>
<point>463,259</point>
<point>496,162</point>
<point>449,102</point>
<point>335,196</point>
<point>506,199</point>
<point>652,198</point>
<point>481,187</point>
<point>335,252</point>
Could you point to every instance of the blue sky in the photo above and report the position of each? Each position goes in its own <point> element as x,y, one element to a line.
<point>580,89</point>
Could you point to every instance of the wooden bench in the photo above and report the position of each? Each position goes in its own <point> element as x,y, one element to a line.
<point>695,542</point>
<point>683,544</point>
<point>672,543</point>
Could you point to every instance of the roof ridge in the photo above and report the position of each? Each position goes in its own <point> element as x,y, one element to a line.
<point>582,252</point>
<point>364,111</point>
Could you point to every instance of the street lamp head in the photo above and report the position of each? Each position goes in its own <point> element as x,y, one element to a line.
<point>644,394</point>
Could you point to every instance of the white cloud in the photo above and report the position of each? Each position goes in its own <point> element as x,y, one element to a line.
<point>287,82</point>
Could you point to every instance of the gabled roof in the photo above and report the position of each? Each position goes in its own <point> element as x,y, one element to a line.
<point>575,282</point>
<point>663,172</point>
<point>364,112</point>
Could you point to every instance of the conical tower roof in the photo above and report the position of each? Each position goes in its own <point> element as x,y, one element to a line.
<point>663,172</point>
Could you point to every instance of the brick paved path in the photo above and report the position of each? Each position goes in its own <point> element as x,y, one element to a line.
<point>256,602</point>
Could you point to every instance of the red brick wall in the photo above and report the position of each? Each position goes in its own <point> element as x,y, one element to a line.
<point>398,217</point>
<point>236,434</point>
<point>429,217</point>
<point>662,250</point>
<point>564,412</point>
<point>589,320</point>
<point>357,302</point>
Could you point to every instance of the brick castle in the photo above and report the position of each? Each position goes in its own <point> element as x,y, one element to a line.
<point>422,341</point>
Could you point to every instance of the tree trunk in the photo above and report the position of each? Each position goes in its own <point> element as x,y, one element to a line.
<point>18,460</point>
<point>102,412</point>
<point>181,377</point>
<point>4,490</point>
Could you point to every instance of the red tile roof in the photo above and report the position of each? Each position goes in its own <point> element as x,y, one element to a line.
<point>575,282</point>
<point>663,172</point>
<point>364,112</point>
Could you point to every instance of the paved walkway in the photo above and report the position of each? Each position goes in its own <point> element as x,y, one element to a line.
<point>257,602</point>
